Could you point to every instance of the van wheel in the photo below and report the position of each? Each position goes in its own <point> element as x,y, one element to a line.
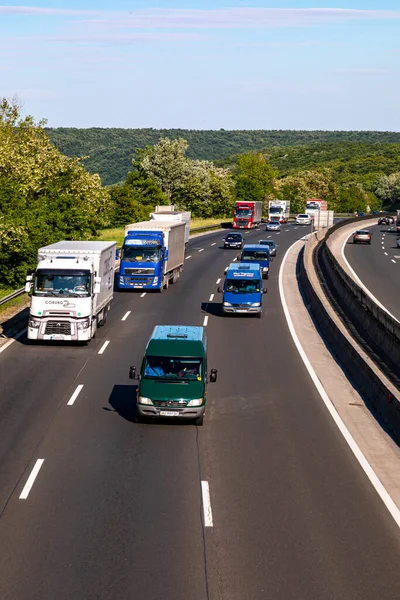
<point>199,421</point>
<point>258,315</point>
<point>138,417</point>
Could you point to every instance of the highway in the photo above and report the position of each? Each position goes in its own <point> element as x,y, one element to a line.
<point>116,508</point>
<point>378,266</point>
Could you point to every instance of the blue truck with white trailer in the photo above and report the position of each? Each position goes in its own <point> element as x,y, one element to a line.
<point>242,291</point>
<point>152,255</point>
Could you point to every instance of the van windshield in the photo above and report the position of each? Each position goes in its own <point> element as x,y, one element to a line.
<point>255,255</point>
<point>160,367</point>
<point>242,286</point>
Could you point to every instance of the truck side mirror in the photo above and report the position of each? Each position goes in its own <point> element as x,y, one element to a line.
<point>28,283</point>
<point>96,287</point>
<point>213,375</point>
<point>132,373</point>
<point>220,290</point>
<point>265,290</point>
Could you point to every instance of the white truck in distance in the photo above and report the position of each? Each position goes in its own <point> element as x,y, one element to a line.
<point>71,290</point>
<point>314,205</point>
<point>168,213</point>
<point>278,210</point>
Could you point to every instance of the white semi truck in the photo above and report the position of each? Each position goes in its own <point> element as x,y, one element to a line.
<point>278,210</point>
<point>71,290</point>
<point>168,213</point>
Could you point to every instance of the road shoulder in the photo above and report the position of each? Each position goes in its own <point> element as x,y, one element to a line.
<point>377,446</point>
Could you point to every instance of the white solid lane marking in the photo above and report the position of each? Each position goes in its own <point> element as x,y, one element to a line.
<point>205,322</point>
<point>268,236</point>
<point>190,256</point>
<point>31,479</point>
<point>211,298</point>
<point>360,283</point>
<point>218,281</point>
<point>393,261</point>
<point>205,492</point>
<point>214,244</point>
<point>16,337</point>
<point>75,395</point>
<point>143,295</point>
<point>201,250</point>
<point>126,315</point>
<point>368,470</point>
<point>104,346</point>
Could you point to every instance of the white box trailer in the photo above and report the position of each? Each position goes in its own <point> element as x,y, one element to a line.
<point>171,236</point>
<point>167,213</point>
<point>71,290</point>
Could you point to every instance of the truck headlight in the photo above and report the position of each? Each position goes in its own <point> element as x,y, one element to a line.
<point>256,304</point>
<point>196,402</point>
<point>144,400</point>
<point>121,279</point>
<point>83,324</point>
<point>227,304</point>
<point>33,323</point>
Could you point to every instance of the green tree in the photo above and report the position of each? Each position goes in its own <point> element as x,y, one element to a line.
<point>254,176</point>
<point>387,188</point>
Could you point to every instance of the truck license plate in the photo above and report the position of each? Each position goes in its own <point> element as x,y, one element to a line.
<point>168,413</point>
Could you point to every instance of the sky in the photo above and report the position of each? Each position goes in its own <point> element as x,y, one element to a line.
<point>191,64</point>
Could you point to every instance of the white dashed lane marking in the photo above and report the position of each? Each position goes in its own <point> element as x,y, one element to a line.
<point>104,346</point>
<point>75,395</point>
<point>207,512</point>
<point>190,256</point>
<point>211,298</point>
<point>201,250</point>
<point>143,295</point>
<point>205,322</point>
<point>218,281</point>
<point>126,315</point>
<point>31,479</point>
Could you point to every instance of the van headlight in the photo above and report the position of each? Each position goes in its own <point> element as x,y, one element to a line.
<point>196,402</point>
<point>33,323</point>
<point>227,304</point>
<point>144,400</point>
<point>83,324</point>
<point>265,269</point>
<point>256,304</point>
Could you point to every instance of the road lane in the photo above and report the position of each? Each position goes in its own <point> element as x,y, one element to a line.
<point>378,266</point>
<point>117,510</point>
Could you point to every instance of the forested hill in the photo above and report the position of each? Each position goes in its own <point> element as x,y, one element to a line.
<point>110,151</point>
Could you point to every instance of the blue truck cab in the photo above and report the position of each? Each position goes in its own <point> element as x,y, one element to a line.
<point>142,260</point>
<point>242,292</point>
<point>256,254</point>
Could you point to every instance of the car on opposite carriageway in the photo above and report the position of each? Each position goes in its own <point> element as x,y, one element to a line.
<point>362,236</point>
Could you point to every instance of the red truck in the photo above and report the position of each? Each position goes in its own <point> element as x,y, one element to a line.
<point>247,215</point>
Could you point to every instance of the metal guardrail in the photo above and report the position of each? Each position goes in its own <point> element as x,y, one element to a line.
<point>12,295</point>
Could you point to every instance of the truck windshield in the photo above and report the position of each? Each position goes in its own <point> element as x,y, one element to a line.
<point>243,212</point>
<point>131,254</point>
<point>242,286</point>
<point>182,369</point>
<point>255,255</point>
<point>313,205</point>
<point>275,210</point>
<point>62,283</point>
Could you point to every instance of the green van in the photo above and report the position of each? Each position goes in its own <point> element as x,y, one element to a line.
<point>173,377</point>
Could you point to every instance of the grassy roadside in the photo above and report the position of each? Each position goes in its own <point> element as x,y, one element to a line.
<point>118,234</point>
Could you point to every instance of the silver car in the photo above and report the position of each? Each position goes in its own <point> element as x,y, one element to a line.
<point>362,236</point>
<point>271,244</point>
<point>303,219</point>
<point>273,226</point>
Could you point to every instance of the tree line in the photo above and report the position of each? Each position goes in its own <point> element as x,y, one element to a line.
<point>46,196</point>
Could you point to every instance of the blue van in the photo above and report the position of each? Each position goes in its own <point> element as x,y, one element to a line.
<point>242,291</point>
<point>256,254</point>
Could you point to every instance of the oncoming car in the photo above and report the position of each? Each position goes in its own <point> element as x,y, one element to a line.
<point>303,219</point>
<point>233,240</point>
<point>273,226</point>
<point>362,236</point>
<point>271,245</point>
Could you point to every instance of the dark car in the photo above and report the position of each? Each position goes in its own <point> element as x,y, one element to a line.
<point>382,221</point>
<point>233,240</point>
<point>271,244</point>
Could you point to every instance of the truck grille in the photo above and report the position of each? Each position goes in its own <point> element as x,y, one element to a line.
<point>140,280</point>
<point>139,271</point>
<point>242,222</point>
<point>58,328</point>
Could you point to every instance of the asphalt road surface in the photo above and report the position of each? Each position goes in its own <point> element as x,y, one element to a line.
<point>378,266</point>
<point>117,508</point>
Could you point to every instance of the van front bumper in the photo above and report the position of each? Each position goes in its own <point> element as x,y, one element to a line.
<point>190,412</point>
<point>242,311</point>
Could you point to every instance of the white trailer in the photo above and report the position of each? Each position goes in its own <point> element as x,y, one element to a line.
<point>168,213</point>
<point>71,290</point>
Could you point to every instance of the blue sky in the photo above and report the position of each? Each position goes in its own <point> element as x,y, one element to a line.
<point>250,64</point>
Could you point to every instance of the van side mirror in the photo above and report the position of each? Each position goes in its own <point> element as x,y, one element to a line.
<point>265,290</point>
<point>132,373</point>
<point>96,286</point>
<point>213,375</point>
<point>116,253</point>
<point>220,290</point>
